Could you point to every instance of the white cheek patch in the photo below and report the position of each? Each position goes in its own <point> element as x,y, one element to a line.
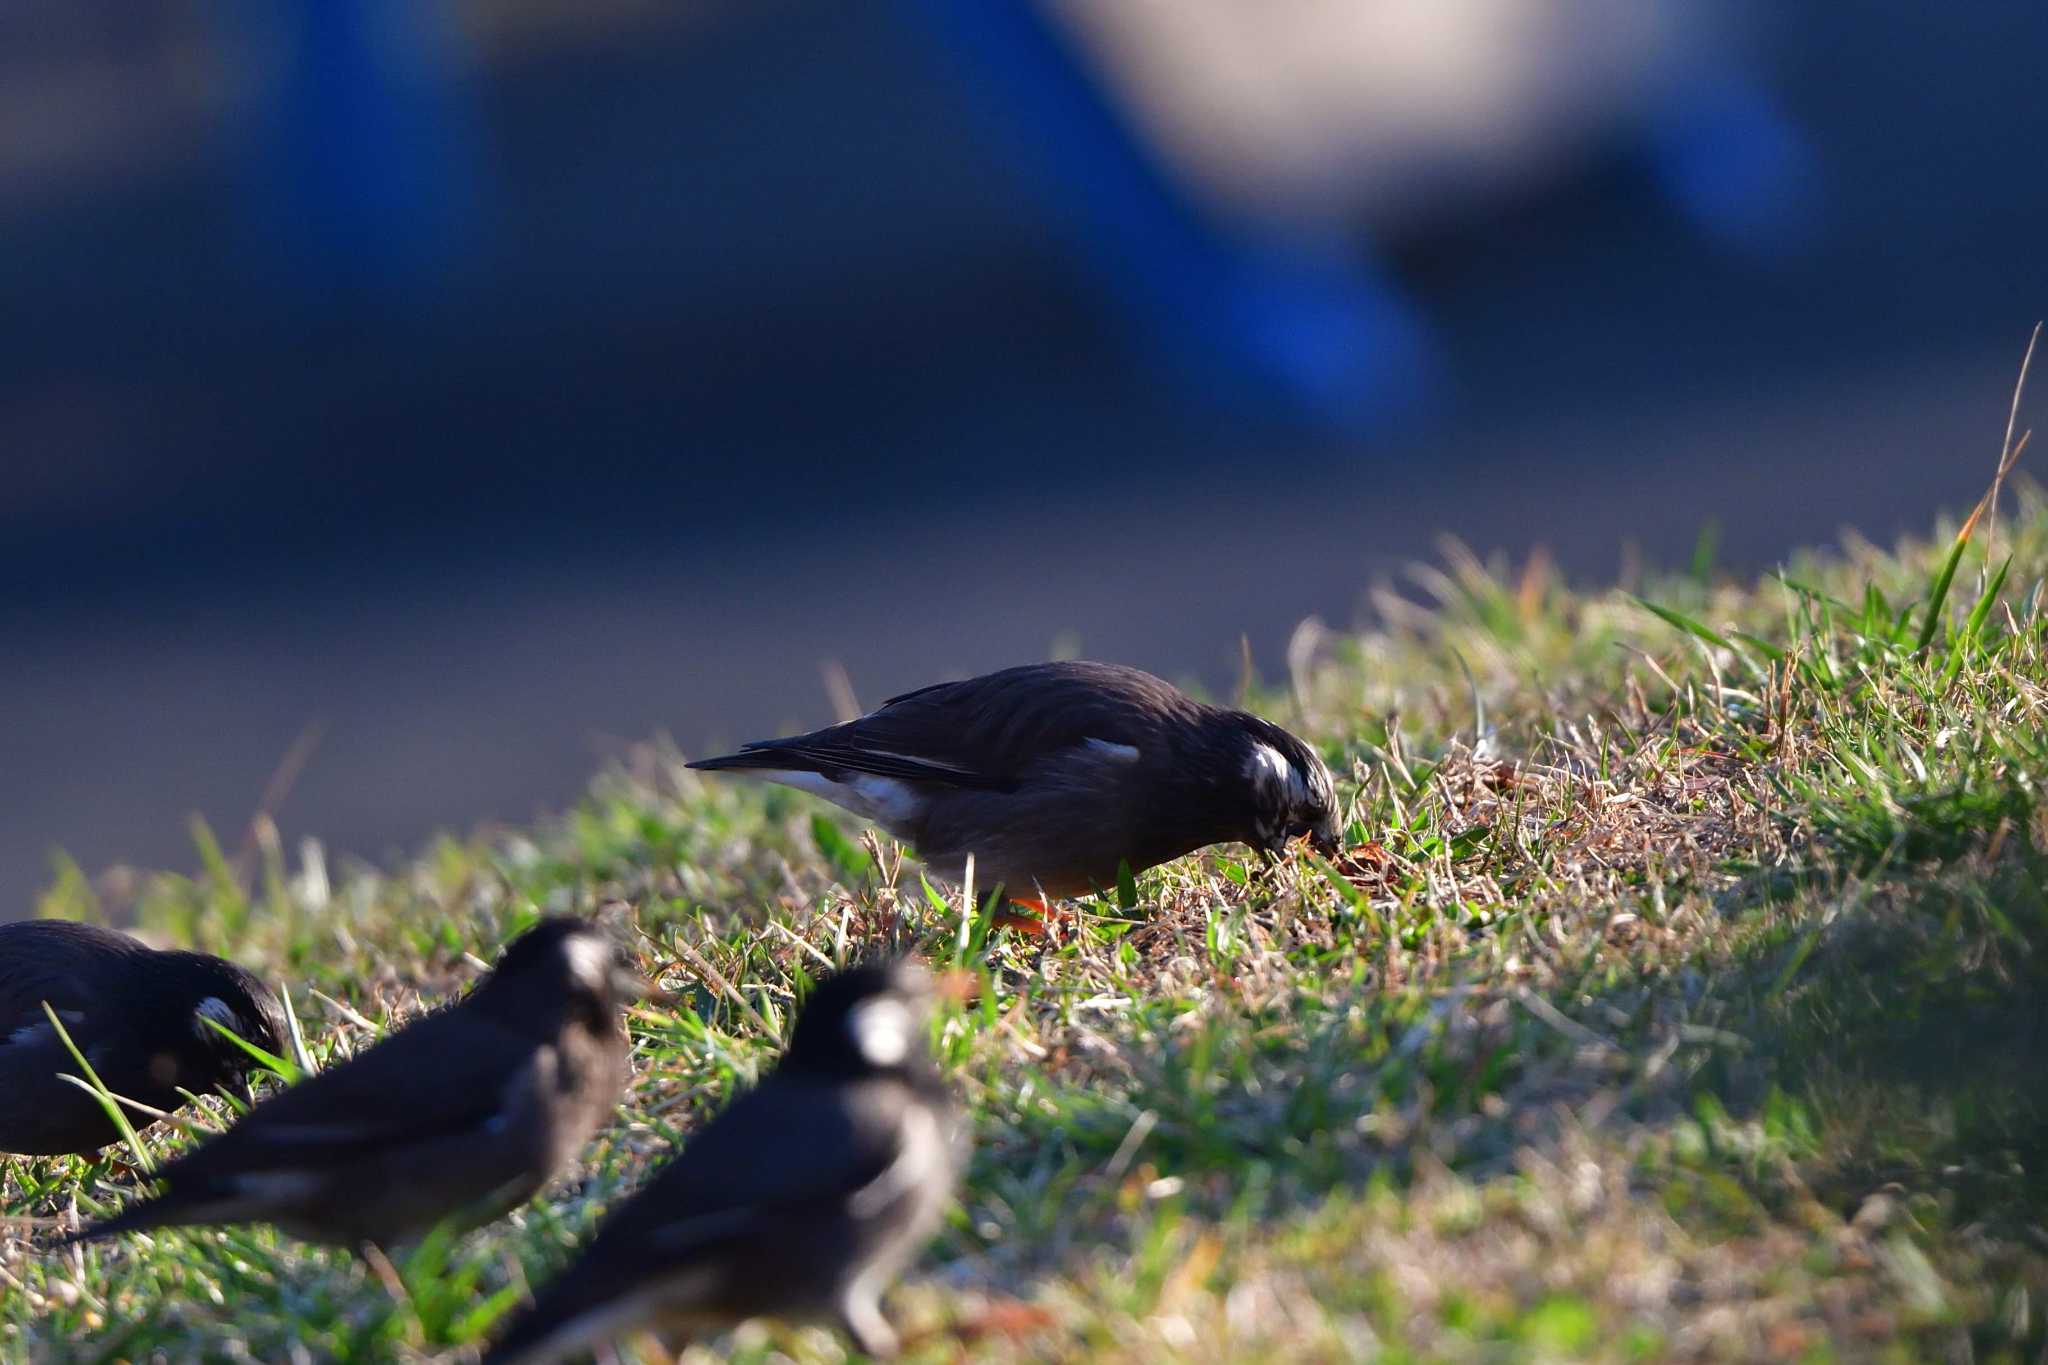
<point>881,1031</point>
<point>590,962</point>
<point>1268,767</point>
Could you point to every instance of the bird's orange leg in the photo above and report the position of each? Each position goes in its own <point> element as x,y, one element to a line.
<point>1033,924</point>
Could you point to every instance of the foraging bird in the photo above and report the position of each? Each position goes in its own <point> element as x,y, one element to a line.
<point>802,1200</point>
<point>463,1115</point>
<point>1052,775</point>
<point>140,1018</point>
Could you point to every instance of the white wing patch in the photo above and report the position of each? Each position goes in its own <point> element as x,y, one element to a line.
<point>1116,753</point>
<point>218,1010</point>
<point>889,801</point>
<point>885,800</point>
<point>39,1031</point>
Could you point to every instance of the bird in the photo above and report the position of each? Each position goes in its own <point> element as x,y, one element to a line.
<point>802,1200</point>
<point>142,1018</point>
<point>462,1116</point>
<point>1056,776</point>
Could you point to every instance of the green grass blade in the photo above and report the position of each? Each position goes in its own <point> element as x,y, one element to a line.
<point>1761,646</point>
<point>269,1061</point>
<point>1126,886</point>
<point>1350,894</point>
<point>98,1087</point>
<point>1688,625</point>
<point>301,1058</point>
<point>840,850</point>
<point>1973,628</point>
<point>1938,593</point>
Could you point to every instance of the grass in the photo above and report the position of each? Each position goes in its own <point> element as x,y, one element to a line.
<point>1684,999</point>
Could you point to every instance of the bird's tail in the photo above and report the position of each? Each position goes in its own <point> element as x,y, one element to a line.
<point>191,1202</point>
<point>141,1216</point>
<point>572,1313</point>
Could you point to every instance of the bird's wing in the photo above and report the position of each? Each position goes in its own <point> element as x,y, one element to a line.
<point>444,1075</point>
<point>772,1163</point>
<point>785,1143</point>
<point>987,732</point>
<point>57,962</point>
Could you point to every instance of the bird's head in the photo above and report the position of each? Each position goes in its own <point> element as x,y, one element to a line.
<point>205,991</point>
<point>564,962</point>
<point>1289,790</point>
<point>865,1019</point>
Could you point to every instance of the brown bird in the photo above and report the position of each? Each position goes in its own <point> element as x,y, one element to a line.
<point>464,1115</point>
<point>1054,775</point>
<point>803,1200</point>
<point>139,1016</point>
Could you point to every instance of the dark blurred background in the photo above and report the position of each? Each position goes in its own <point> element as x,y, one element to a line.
<point>483,386</point>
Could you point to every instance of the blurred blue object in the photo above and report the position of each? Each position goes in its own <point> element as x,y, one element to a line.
<point>1298,326</point>
<point>361,154</point>
<point>1736,167</point>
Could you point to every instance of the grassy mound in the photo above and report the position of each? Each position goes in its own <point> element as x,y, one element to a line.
<point>1687,996</point>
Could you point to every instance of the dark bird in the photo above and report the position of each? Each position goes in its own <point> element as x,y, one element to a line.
<point>462,1116</point>
<point>1052,775</point>
<point>138,1015</point>
<point>803,1200</point>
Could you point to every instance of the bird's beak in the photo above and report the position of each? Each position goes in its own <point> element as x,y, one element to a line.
<point>1325,842</point>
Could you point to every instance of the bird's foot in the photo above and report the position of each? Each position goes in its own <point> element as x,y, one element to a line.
<point>1023,914</point>
<point>1005,1318</point>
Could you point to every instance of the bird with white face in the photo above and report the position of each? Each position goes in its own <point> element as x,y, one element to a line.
<point>459,1117</point>
<point>143,1019</point>
<point>1054,776</point>
<point>802,1201</point>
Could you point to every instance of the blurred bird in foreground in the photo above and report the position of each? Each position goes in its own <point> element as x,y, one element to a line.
<point>1053,776</point>
<point>803,1200</point>
<point>464,1115</point>
<point>143,1020</point>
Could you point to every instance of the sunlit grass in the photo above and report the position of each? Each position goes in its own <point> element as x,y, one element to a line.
<point>1681,999</point>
